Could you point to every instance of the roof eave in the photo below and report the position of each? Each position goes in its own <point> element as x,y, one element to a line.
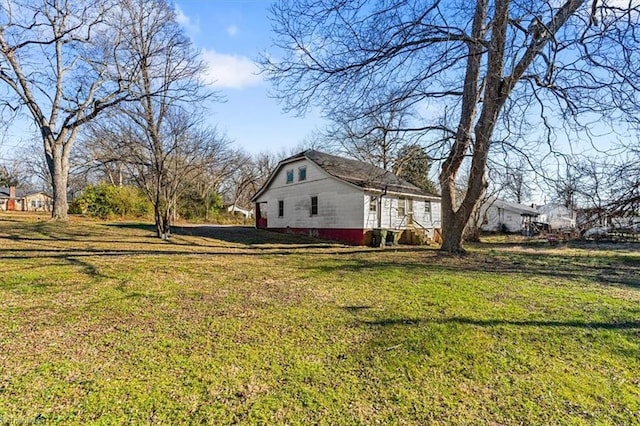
<point>405,193</point>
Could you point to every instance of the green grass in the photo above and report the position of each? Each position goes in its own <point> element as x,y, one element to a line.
<point>103,323</point>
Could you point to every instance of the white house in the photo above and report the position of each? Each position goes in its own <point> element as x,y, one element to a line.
<point>557,216</point>
<point>499,215</point>
<point>341,199</point>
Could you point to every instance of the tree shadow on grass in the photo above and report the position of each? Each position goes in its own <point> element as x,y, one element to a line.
<point>235,234</point>
<point>562,333</point>
<point>621,325</point>
<point>64,253</point>
<point>356,308</point>
<point>604,269</point>
<point>86,267</point>
<point>247,235</point>
<point>79,263</point>
<point>133,225</point>
<point>210,240</point>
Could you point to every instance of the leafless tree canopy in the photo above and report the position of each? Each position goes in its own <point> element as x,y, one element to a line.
<point>159,134</point>
<point>57,66</point>
<point>602,187</point>
<point>375,138</point>
<point>64,62</point>
<point>514,181</point>
<point>475,73</point>
<point>248,176</point>
<point>189,157</point>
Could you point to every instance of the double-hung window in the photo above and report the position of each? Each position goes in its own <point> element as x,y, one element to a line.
<point>402,206</point>
<point>314,205</point>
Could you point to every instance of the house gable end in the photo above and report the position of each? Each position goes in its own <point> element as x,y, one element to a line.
<point>295,163</point>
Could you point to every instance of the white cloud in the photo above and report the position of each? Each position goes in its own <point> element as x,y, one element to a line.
<point>192,27</point>
<point>230,71</point>
<point>232,30</point>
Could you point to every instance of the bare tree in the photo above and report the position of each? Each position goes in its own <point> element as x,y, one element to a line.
<point>629,202</point>
<point>625,185</point>
<point>473,229</point>
<point>374,138</point>
<point>13,173</point>
<point>34,160</point>
<point>56,60</point>
<point>489,66</point>
<point>238,183</point>
<point>603,187</point>
<point>97,160</point>
<point>165,171</point>
<point>162,136</point>
<point>251,173</point>
<point>220,167</point>
<point>566,187</point>
<point>514,182</point>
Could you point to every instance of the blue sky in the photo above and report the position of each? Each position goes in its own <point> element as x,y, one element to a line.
<point>231,34</point>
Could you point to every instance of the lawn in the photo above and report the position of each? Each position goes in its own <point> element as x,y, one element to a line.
<point>103,323</point>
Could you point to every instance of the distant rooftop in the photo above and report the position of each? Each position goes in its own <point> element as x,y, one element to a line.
<point>523,209</point>
<point>20,193</point>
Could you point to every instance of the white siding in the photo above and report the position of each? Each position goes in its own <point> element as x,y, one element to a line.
<point>431,219</point>
<point>557,216</point>
<point>370,216</point>
<point>391,219</point>
<point>340,205</point>
<point>496,217</point>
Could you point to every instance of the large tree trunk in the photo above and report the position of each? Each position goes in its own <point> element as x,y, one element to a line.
<point>58,163</point>
<point>451,233</point>
<point>497,88</point>
<point>162,215</point>
<point>163,222</point>
<point>454,218</point>
<point>60,203</point>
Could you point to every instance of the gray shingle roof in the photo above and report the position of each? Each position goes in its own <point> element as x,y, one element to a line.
<point>357,173</point>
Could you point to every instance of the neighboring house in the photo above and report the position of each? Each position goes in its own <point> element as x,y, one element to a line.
<point>12,199</point>
<point>243,212</point>
<point>341,199</point>
<point>499,215</point>
<point>9,200</point>
<point>601,218</point>
<point>557,216</point>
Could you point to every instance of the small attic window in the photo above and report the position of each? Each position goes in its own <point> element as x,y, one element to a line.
<point>302,173</point>
<point>290,176</point>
